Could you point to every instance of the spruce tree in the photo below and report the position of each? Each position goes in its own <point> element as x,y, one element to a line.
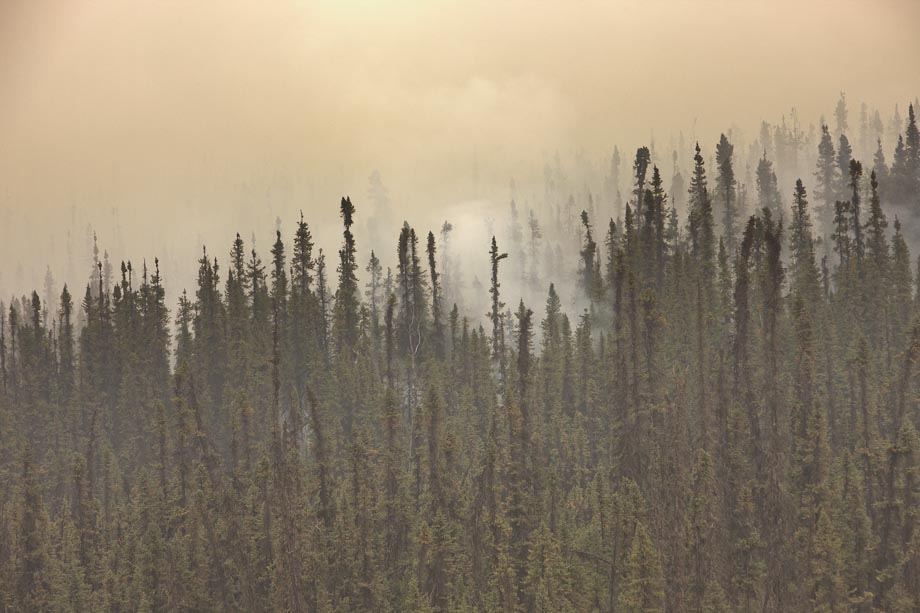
<point>702,236</point>
<point>498,326</point>
<point>66,347</point>
<point>805,279</point>
<point>36,577</point>
<point>374,292</point>
<point>912,156</point>
<point>879,166</point>
<point>640,170</point>
<point>345,317</point>
<point>643,590</point>
<point>844,157</point>
<point>436,307</point>
<point>725,188</point>
<point>768,194</point>
<point>855,174</point>
<point>826,175</point>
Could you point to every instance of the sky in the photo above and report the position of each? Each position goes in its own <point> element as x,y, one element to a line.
<point>182,121</point>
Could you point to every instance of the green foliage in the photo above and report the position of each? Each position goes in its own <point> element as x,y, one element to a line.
<point>710,423</point>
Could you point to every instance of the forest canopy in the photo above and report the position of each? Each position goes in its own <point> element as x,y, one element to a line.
<point>715,408</point>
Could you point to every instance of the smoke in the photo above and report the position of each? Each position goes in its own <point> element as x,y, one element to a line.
<point>164,126</point>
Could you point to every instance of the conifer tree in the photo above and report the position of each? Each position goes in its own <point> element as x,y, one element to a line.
<point>805,279</point>
<point>841,235</point>
<point>901,283</point>
<point>345,318</point>
<point>498,326</point>
<point>66,347</point>
<point>436,319</point>
<point>374,291</point>
<point>35,583</point>
<point>855,174</point>
<point>879,166</point>
<point>725,187</point>
<point>640,170</point>
<point>238,261</point>
<point>700,531</point>
<point>908,162</point>
<point>876,240</point>
<point>590,264</point>
<point>643,590</point>
<point>826,175</point>
<point>659,202</point>
<point>303,264</point>
<point>702,236</point>
<point>768,194</point>
<point>258,288</point>
<point>279,289</point>
<point>900,172</point>
<point>840,114</point>
<point>322,295</point>
<point>844,157</point>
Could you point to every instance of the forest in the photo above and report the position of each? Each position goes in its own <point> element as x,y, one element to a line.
<point>726,421</point>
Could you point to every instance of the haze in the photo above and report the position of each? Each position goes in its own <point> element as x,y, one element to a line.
<point>179,123</point>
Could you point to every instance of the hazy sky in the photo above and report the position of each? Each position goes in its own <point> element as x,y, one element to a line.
<point>174,104</point>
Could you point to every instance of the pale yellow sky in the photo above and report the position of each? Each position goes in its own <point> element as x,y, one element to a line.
<point>152,86</point>
<point>176,103</point>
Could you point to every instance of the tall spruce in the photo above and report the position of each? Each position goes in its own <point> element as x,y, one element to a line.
<point>725,188</point>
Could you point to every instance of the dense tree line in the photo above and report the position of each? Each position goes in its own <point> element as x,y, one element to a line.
<point>729,425</point>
